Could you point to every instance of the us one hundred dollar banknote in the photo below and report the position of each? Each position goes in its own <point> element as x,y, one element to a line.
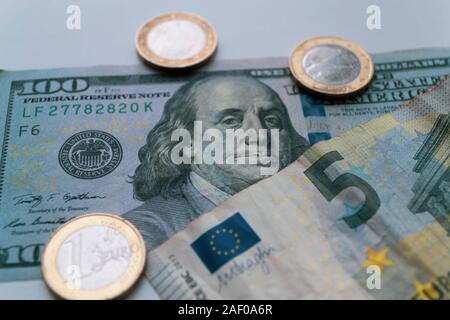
<point>362,216</point>
<point>84,140</point>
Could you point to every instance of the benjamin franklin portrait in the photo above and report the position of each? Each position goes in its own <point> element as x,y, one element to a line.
<point>174,195</point>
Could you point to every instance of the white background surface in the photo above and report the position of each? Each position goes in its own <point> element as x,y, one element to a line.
<point>33,34</point>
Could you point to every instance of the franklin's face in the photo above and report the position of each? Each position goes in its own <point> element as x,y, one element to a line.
<point>241,103</point>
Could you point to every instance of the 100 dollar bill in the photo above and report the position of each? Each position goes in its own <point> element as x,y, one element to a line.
<point>86,140</point>
<point>98,140</point>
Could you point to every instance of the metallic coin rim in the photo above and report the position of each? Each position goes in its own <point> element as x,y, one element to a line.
<point>56,282</point>
<point>153,58</point>
<point>360,82</point>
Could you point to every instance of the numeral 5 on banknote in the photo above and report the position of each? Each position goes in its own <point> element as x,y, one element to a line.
<point>331,188</point>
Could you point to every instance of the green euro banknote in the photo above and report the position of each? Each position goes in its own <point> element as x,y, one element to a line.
<point>362,216</point>
<point>84,140</point>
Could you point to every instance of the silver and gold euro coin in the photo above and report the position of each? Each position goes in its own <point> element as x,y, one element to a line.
<point>95,256</point>
<point>176,40</point>
<point>331,66</point>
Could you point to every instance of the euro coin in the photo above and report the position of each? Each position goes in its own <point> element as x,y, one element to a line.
<point>176,40</point>
<point>96,256</point>
<point>331,66</point>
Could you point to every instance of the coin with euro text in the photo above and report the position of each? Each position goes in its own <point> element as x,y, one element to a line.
<point>96,256</point>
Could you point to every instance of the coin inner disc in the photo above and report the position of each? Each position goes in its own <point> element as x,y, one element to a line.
<point>93,257</point>
<point>331,64</point>
<point>176,39</point>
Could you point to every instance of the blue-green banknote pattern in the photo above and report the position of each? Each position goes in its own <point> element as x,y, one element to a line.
<point>76,141</point>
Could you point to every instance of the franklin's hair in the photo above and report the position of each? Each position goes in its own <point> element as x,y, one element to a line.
<point>157,174</point>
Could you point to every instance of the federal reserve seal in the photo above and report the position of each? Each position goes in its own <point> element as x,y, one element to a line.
<point>90,154</point>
